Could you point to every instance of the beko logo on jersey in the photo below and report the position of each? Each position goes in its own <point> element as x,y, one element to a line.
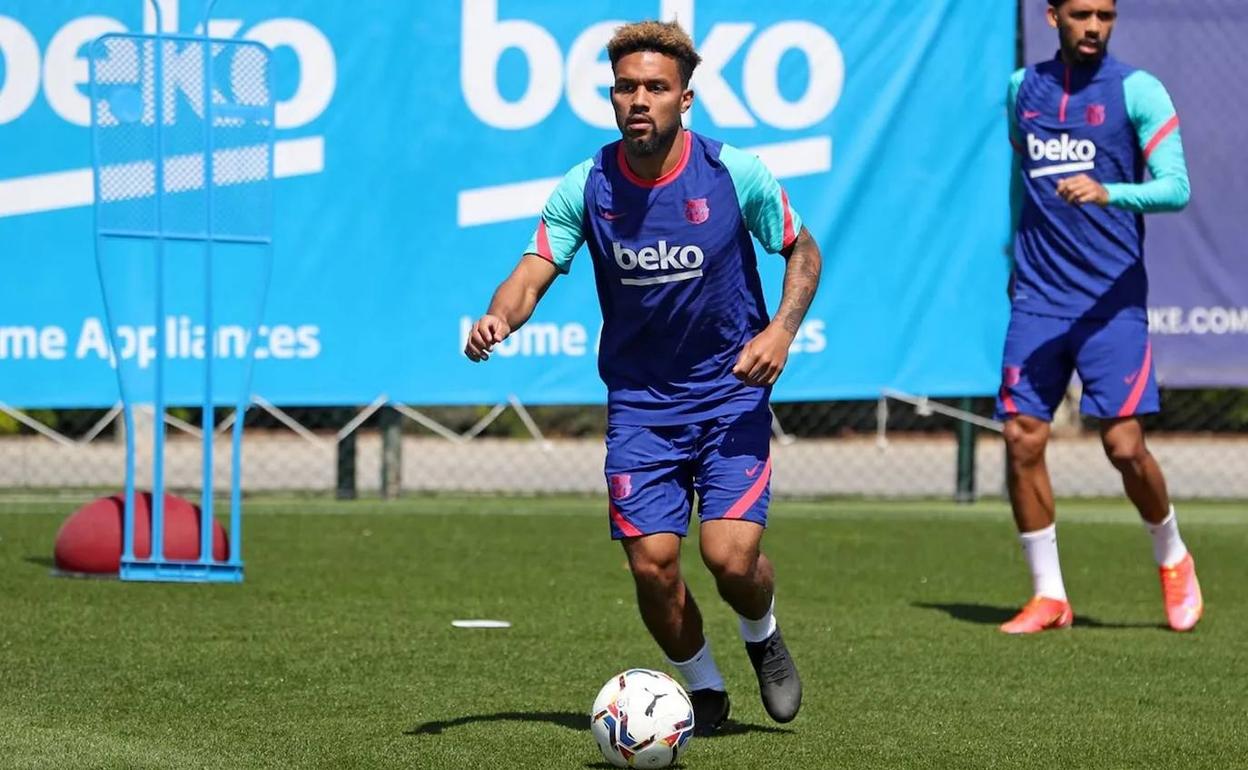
<point>686,260</point>
<point>1061,149</point>
<point>1068,155</point>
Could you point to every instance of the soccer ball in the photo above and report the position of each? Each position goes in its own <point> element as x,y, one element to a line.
<point>641,718</point>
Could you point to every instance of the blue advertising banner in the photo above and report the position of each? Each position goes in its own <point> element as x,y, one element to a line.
<point>416,143</point>
<point>1198,277</point>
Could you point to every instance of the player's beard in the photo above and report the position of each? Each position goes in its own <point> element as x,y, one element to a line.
<point>657,141</point>
<point>1079,57</point>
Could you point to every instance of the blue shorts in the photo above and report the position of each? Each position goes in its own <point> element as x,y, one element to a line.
<point>654,471</point>
<point>1113,358</point>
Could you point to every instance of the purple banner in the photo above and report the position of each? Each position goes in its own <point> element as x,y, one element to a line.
<point>1197,265</point>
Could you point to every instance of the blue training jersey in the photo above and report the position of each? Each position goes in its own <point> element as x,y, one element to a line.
<point>676,274</point>
<point>1112,122</point>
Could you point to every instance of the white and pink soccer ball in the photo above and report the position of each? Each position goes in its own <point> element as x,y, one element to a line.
<point>642,718</point>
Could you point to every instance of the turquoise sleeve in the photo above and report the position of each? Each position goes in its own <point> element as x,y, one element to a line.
<point>1016,166</point>
<point>1011,108</point>
<point>560,232</point>
<point>1157,126</point>
<point>764,204</point>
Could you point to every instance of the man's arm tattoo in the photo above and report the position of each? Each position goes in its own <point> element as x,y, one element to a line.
<point>801,279</point>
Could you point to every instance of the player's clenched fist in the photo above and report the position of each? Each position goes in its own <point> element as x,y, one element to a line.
<point>763,358</point>
<point>487,332</point>
<point>1082,189</point>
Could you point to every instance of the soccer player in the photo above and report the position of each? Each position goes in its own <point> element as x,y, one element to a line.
<point>1085,127</point>
<point>687,352</point>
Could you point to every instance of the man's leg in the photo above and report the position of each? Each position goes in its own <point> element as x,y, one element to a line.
<point>1031,498</point>
<point>733,482</point>
<point>650,482</point>
<point>1142,479</point>
<point>1145,485</point>
<point>1031,491</point>
<point>746,581</point>
<point>1115,361</point>
<point>672,616</point>
<point>667,607</point>
<point>1035,374</point>
<point>743,574</point>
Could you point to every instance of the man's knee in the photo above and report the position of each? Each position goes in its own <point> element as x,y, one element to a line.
<point>1025,440</point>
<point>730,549</point>
<point>731,564</point>
<point>1124,444</point>
<point>656,572</point>
<point>1126,455</point>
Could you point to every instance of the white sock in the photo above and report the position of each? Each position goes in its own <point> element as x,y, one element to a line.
<point>1168,547</point>
<point>700,671</point>
<point>1040,550</point>
<point>758,630</point>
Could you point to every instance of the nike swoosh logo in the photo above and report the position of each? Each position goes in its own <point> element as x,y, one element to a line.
<point>611,216</point>
<point>752,472</point>
<point>1029,114</point>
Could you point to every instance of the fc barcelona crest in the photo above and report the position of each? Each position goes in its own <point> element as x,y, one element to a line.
<point>1096,114</point>
<point>621,485</point>
<point>696,211</point>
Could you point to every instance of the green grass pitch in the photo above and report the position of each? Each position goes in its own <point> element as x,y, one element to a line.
<point>338,651</point>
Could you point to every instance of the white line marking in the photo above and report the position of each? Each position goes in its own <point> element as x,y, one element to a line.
<point>237,165</point>
<point>801,157</point>
<point>45,192</point>
<point>481,623</point>
<point>504,202</point>
<point>71,189</point>
<point>298,157</point>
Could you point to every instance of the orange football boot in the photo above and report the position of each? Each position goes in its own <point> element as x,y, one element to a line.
<point>1040,614</point>
<point>1181,591</point>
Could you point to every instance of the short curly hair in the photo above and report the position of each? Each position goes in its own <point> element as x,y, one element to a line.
<point>665,37</point>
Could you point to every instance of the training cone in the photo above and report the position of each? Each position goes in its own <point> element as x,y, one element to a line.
<point>90,539</point>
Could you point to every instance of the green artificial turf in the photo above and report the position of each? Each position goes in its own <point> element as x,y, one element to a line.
<point>338,651</point>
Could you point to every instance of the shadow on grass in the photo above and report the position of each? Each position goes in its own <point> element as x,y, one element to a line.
<point>49,563</point>
<point>730,727</point>
<point>987,614</point>
<point>733,727</point>
<point>570,720</point>
<point>608,766</point>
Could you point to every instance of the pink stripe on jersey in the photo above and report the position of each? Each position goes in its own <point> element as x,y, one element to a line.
<point>622,523</point>
<point>789,235</point>
<point>543,242</point>
<point>743,505</point>
<point>1061,112</point>
<point>668,178</point>
<point>1141,381</point>
<point>1161,134</point>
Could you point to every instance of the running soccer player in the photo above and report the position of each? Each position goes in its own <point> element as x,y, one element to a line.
<point>687,353</point>
<point>1086,126</point>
